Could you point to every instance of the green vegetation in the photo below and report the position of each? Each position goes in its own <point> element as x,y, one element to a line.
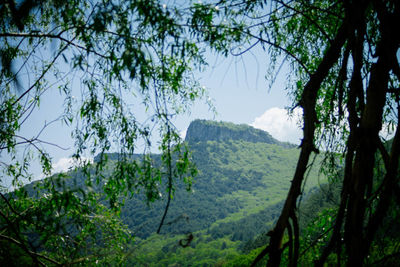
<point>344,75</point>
<point>236,179</point>
<point>121,53</point>
<point>235,198</point>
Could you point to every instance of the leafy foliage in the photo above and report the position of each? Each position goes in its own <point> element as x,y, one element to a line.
<point>124,53</point>
<point>345,76</point>
<point>236,197</point>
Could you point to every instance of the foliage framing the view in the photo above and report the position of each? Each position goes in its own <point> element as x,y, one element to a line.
<point>120,50</point>
<point>345,77</point>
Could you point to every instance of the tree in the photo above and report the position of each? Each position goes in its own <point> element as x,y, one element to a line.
<point>345,78</point>
<point>120,50</point>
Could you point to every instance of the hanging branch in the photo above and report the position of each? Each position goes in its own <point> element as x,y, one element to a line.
<point>355,83</point>
<point>290,242</point>
<point>308,102</point>
<point>169,157</point>
<point>370,124</point>
<point>296,233</point>
<point>388,184</point>
<point>169,179</point>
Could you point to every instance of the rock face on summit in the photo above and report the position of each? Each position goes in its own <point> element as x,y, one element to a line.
<point>203,130</point>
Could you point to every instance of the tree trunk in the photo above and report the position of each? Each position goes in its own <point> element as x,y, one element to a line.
<point>370,125</point>
<point>308,102</point>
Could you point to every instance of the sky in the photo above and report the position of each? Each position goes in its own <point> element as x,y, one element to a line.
<point>236,85</point>
<point>242,95</point>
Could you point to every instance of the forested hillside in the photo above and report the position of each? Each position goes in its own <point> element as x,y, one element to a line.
<point>243,177</point>
<point>117,75</point>
<point>242,172</point>
<point>224,220</point>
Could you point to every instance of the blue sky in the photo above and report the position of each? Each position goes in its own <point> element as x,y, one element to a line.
<point>241,94</point>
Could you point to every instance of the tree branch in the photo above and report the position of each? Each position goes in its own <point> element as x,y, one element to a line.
<point>308,102</point>
<point>283,50</point>
<point>31,253</point>
<point>51,36</point>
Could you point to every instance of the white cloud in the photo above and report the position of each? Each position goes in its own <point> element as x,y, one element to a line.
<point>65,164</point>
<point>283,127</point>
<point>388,131</point>
<point>280,125</point>
<point>182,134</point>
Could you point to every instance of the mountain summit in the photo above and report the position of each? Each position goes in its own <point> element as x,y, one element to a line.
<point>205,130</point>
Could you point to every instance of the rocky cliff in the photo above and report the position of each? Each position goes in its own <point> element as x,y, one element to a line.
<point>204,130</point>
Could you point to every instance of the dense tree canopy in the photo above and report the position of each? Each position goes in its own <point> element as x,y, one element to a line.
<point>345,77</point>
<point>120,51</point>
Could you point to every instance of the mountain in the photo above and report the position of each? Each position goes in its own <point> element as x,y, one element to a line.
<point>243,177</point>
<point>203,130</point>
<point>242,172</point>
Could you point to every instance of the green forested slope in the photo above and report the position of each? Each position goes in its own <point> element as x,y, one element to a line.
<point>243,177</point>
<point>237,179</point>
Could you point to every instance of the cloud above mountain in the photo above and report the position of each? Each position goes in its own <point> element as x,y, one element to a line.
<point>280,124</point>
<point>65,164</point>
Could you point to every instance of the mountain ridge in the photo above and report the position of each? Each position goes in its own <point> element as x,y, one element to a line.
<point>243,177</point>
<point>207,130</point>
